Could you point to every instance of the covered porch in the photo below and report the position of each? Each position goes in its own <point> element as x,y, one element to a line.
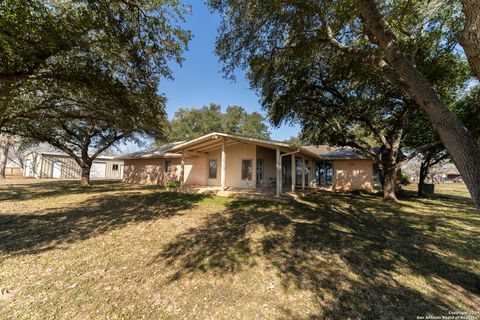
<point>248,163</point>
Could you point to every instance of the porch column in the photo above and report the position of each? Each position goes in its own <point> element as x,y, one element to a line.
<point>182,170</point>
<point>278,171</point>
<point>294,172</point>
<point>303,173</point>
<point>312,176</point>
<point>222,170</point>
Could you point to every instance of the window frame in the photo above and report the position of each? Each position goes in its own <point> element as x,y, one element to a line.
<point>168,165</point>
<point>321,173</point>
<point>210,161</point>
<point>249,172</point>
<point>115,167</point>
<point>377,181</point>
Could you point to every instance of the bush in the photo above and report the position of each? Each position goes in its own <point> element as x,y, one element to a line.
<point>172,184</point>
<point>405,179</point>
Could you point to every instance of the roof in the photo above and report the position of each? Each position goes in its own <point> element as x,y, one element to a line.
<point>453,172</point>
<point>159,152</point>
<point>328,152</point>
<point>211,142</point>
<point>62,154</point>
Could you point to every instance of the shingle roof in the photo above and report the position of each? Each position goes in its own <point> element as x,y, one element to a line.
<point>328,152</point>
<point>159,152</point>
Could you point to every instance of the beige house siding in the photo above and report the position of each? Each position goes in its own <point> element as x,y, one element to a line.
<point>152,171</point>
<point>196,170</point>
<point>233,165</point>
<point>353,175</point>
<point>348,174</point>
<point>148,171</point>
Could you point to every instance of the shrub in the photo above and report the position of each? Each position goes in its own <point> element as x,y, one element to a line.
<point>171,184</point>
<point>405,179</point>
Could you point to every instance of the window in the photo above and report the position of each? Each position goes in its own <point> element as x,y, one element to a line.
<point>246,169</point>
<point>212,169</point>
<point>324,173</point>
<point>298,169</point>
<point>376,176</point>
<point>115,167</point>
<point>168,165</point>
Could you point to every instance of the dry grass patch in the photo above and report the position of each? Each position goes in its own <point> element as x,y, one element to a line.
<point>126,251</point>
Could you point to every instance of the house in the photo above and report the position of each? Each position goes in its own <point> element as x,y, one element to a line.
<point>453,175</point>
<point>233,161</point>
<point>61,166</point>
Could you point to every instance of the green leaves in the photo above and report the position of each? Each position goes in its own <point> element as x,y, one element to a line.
<point>192,123</point>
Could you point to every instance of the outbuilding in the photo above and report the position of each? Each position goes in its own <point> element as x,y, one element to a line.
<point>59,165</point>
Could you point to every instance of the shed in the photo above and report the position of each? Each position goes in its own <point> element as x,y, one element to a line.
<point>60,165</point>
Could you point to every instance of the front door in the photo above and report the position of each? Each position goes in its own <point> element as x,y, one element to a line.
<point>260,179</point>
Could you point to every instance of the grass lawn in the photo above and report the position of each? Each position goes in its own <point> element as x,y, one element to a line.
<point>127,251</point>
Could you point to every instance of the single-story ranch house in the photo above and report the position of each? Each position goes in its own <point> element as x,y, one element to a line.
<point>60,165</point>
<point>233,161</point>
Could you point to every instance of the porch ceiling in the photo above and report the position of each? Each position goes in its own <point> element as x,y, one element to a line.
<point>213,141</point>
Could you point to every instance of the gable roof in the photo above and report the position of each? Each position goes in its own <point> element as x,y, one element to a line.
<point>212,141</point>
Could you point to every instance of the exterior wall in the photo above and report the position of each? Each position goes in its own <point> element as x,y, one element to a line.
<point>196,170</point>
<point>13,171</point>
<point>353,175</point>
<point>233,165</point>
<point>233,171</point>
<point>42,166</point>
<point>152,171</point>
<point>149,171</point>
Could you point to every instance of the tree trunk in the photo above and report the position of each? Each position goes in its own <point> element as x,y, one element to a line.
<point>421,180</point>
<point>85,180</point>
<point>460,144</point>
<point>470,40</point>
<point>3,162</point>
<point>390,183</point>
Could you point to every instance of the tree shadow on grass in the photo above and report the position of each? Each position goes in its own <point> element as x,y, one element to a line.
<point>31,233</point>
<point>39,190</point>
<point>345,249</point>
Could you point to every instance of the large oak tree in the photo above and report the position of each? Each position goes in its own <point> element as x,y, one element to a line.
<point>386,35</point>
<point>82,75</point>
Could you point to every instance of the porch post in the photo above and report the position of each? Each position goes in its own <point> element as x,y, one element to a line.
<point>303,173</point>
<point>278,170</point>
<point>294,172</point>
<point>182,170</point>
<point>222,170</point>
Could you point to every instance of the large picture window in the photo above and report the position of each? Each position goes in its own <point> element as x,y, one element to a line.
<point>246,169</point>
<point>212,169</point>
<point>324,173</point>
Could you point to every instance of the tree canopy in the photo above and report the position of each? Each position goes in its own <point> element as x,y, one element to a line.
<point>401,42</point>
<point>82,75</point>
<point>190,123</point>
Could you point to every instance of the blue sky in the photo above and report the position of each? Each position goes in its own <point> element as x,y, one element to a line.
<point>199,81</point>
